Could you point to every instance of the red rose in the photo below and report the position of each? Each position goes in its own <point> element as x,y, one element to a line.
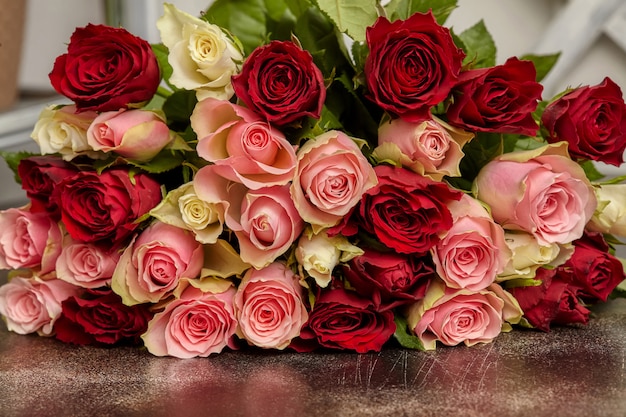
<point>592,120</point>
<point>40,175</point>
<point>280,82</point>
<point>591,269</point>
<point>342,320</point>
<point>106,206</point>
<point>106,68</point>
<point>497,99</point>
<point>412,65</point>
<point>405,211</point>
<point>389,279</point>
<point>100,317</point>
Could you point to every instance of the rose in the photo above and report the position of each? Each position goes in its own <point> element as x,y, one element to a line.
<point>269,306</point>
<point>453,316</point>
<point>592,119</point>
<point>31,305</point>
<point>96,207</point>
<point>40,175</point>
<point>28,240</point>
<point>203,57</point>
<point>412,65</point>
<point>610,215</point>
<point>265,222</point>
<point>331,176</point>
<point>197,323</point>
<point>134,134</point>
<point>98,317</point>
<point>280,82</point>
<point>405,211</point>
<point>85,264</point>
<point>542,192</point>
<point>231,135</point>
<point>473,251</point>
<point>389,279</point>
<point>106,68</point>
<point>62,130</point>
<point>152,265</point>
<point>431,148</point>
<point>497,99</point>
<point>342,320</point>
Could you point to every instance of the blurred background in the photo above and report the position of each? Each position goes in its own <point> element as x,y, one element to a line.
<point>591,34</point>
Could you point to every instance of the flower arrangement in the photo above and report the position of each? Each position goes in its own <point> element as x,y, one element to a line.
<point>276,175</point>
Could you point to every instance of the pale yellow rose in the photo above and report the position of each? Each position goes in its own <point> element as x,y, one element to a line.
<point>203,57</point>
<point>610,215</point>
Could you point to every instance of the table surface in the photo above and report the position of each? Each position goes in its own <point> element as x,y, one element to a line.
<point>568,372</point>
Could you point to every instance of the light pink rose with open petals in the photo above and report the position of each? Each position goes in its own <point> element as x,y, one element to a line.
<point>153,264</point>
<point>331,176</point>
<point>32,305</point>
<point>196,324</point>
<point>29,240</point>
<point>134,134</point>
<point>431,148</point>
<point>231,135</point>
<point>265,222</point>
<point>86,265</point>
<point>473,251</point>
<point>453,316</point>
<point>541,191</point>
<point>269,306</point>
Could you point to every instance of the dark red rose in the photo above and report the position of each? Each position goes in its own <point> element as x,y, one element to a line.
<point>497,99</point>
<point>106,68</point>
<point>280,82</point>
<point>389,279</point>
<point>412,65</point>
<point>341,319</point>
<point>404,211</point>
<point>592,120</point>
<point>40,175</point>
<point>105,207</point>
<point>591,269</point>
<point>100,317</point>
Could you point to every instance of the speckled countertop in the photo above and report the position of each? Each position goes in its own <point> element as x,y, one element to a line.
<point>570,372</point>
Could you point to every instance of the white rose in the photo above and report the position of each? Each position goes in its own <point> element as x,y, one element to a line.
<point>610,215</point>
<point>203,57</point>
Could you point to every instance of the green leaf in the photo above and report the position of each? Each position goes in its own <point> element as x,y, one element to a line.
<point>403,335</point>
<point>591,171</point>
<point>161,52</point>
<point>298,7</point>
<point>165,160</point>
<point>403,9</point>
<point>178,108</point>
<point>245,19</point>
<point>13,160</point>
<point>478,152</point>
<point>479,46</point>
<point>350,16</point>
<point>543,63</point>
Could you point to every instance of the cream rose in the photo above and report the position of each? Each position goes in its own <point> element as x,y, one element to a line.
<point>610,216</point>
<point>203,57</point>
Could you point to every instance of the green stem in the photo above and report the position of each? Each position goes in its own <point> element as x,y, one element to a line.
<point>163,92</point>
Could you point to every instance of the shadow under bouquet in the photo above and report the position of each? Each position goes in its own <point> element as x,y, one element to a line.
<point>302,175</point>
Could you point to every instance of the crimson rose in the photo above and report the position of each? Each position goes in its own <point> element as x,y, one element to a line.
<point>280,82</point>
<point>96,207</point>
<point>592,120</point>
<point>497,99</point>
<point>100,317</point>
<point>411,66</point>
<point>405,211</point>
<point>105,69</point>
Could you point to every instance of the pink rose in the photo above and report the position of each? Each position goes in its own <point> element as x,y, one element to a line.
<point>195,324</point>
<point>134,134</point>
<point>542,192</point>
<point>431,148</point>
<point>265,222</point>
<point>152,265</point>
<point>32,305</point>
<point>473,251</point>
<point>231,135</point>
<point>331,176</point>
<point>86,265</point>
<point>456,316</point>
<point>269,306</point>
<point>28,240</point>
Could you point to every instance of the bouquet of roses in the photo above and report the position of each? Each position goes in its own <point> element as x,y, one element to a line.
<point>303,174</point>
